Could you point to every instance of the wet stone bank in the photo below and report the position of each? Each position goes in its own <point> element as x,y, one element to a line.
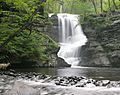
<point>12,82</point>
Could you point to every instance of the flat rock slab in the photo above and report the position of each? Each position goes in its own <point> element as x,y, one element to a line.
<point>38,88</point>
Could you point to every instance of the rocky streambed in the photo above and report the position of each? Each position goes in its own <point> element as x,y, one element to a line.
<point>16,83</point>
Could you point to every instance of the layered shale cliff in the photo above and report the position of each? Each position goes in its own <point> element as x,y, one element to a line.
<point>103,46</point>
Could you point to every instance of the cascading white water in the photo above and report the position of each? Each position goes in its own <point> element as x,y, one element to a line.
<point>71,38</point>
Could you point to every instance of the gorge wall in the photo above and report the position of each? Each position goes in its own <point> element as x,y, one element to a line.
<point>103,46</point>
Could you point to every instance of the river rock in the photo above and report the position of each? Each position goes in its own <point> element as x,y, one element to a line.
<point>105,82</point>
<point>113,84</point>
<point>57,82</point>
<point>98,83</point>
<point>80,84</point>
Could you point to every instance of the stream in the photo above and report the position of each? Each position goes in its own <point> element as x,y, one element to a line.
<point>61,81</point>
<point>99,73</point>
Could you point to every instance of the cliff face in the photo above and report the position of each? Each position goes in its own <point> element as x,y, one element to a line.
<point>103,46</point>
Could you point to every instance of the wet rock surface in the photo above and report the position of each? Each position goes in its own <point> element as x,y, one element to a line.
<point>8,82</point>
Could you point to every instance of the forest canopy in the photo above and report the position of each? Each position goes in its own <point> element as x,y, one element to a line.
<point>82,6</point>
<point>22,37</point>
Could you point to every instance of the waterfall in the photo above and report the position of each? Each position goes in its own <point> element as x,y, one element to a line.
<point>71,38</point>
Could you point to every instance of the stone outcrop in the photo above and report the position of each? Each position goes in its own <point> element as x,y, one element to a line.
<point>103,46</point>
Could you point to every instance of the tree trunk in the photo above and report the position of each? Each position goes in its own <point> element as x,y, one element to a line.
<point>109,5</point>
<point>114,4</point>
<point>72,6</point>
<point>101,5</point>
<point>93,2</point>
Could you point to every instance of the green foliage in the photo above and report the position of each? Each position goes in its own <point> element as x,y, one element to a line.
<point>22,5</point>
<point>29,44</point>
<point>106,5</point>
<point>69,6</point>
<point>82,6</point>
<point>52,6</point>
<point>77,6</point>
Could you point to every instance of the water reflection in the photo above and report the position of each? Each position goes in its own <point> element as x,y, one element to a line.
<point>91,72</point>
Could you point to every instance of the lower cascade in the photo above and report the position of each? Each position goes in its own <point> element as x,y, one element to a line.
<point>71,38</point>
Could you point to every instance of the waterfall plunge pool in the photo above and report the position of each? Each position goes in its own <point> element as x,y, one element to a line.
<point>100,73</point>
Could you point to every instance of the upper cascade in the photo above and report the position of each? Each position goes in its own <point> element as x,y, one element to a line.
<point>71,38</point>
